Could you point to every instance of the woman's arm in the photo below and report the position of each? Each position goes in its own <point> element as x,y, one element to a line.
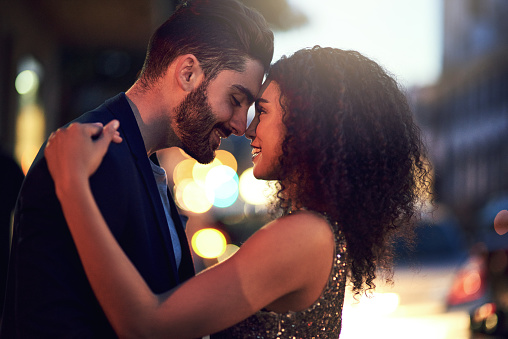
<point>285,257</point>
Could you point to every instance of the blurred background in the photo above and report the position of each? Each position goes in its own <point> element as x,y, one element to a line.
<point>61,58</point>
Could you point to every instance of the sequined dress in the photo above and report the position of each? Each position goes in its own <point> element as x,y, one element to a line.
<point>322,320</point>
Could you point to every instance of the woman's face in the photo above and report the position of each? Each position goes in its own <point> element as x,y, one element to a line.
<point>267,132</point>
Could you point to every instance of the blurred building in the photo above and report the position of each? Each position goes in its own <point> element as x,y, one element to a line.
<point>465,114</point>
<point>74,55</point>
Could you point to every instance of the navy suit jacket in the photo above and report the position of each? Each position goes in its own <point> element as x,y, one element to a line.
<point>48,294</point>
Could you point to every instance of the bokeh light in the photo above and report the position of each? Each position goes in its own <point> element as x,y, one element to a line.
<point>183,171</point>
<point>200,171</point>
<point>380,303</point>
<point>30,127</point>
<point>198,187</point>
<point>192,197</point>
<point>222,186</point>
<point>254,191</point>
<point>209,243</point>
<point>26,82</point>
<point>472,283</point>
<point>501,222</point>
<point>230,250</point>
<point>226,158</point>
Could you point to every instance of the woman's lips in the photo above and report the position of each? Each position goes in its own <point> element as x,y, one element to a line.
<point>255,152</point>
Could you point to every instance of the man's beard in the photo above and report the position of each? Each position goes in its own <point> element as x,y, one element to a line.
<point>195,122</point>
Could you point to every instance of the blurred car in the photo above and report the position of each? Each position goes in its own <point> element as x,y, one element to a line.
<point>490,317</point>
<point>433,289</point>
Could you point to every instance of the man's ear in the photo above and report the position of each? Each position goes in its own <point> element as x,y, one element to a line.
<point>188,72</point>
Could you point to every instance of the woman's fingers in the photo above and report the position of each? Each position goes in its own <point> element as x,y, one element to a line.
<point>110,132</point>
<point>90,129</point>
<point>78,150</point>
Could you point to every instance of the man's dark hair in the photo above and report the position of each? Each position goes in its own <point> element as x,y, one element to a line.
<point>221,34</point>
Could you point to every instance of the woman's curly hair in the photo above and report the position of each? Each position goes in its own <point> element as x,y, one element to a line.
<point>351,151</point>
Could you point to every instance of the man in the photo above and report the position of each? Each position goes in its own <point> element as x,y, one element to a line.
<point>202,71</point>
<point>11,177</point>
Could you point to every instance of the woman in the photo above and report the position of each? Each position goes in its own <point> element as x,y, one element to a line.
<point>337,133</point>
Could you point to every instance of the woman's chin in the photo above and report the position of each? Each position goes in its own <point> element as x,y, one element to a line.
<point>261,174</point>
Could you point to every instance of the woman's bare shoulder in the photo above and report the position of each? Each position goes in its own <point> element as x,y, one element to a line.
<point>302,223</point>
<point>306,228</point>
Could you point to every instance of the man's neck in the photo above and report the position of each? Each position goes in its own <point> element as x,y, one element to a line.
<point>154,127</point>
<point>141,124</point>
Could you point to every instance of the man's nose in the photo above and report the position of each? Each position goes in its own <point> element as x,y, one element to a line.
<point>239,122</point>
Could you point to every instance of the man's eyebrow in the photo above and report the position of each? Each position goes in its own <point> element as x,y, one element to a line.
<point>246,92</point>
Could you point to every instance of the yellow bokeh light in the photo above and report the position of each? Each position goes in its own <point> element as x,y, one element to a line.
<point>230,250</point>
<point>200,171</point>
<point>226,158</point>
<point>254,191</point>
<point>209,243</point>
<point>30,127</point>
<point>183,170</point>
<point>192,197</point>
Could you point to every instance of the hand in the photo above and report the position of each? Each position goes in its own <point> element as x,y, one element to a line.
<point>74,153</point>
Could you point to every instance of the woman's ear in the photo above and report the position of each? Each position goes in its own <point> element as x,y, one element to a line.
<point>188,72</point>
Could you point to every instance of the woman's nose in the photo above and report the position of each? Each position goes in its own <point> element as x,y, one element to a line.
<point>250,133</point>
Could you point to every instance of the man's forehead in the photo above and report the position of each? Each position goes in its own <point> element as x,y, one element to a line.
<point>247,92</point>
<point>252,77</point>
<point>263,88</point>
<point>247,81</point>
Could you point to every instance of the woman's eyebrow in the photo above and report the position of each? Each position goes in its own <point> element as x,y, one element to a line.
<point>259,101</point>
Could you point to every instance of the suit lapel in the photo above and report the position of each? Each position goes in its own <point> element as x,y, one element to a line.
<point>129,131</point>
